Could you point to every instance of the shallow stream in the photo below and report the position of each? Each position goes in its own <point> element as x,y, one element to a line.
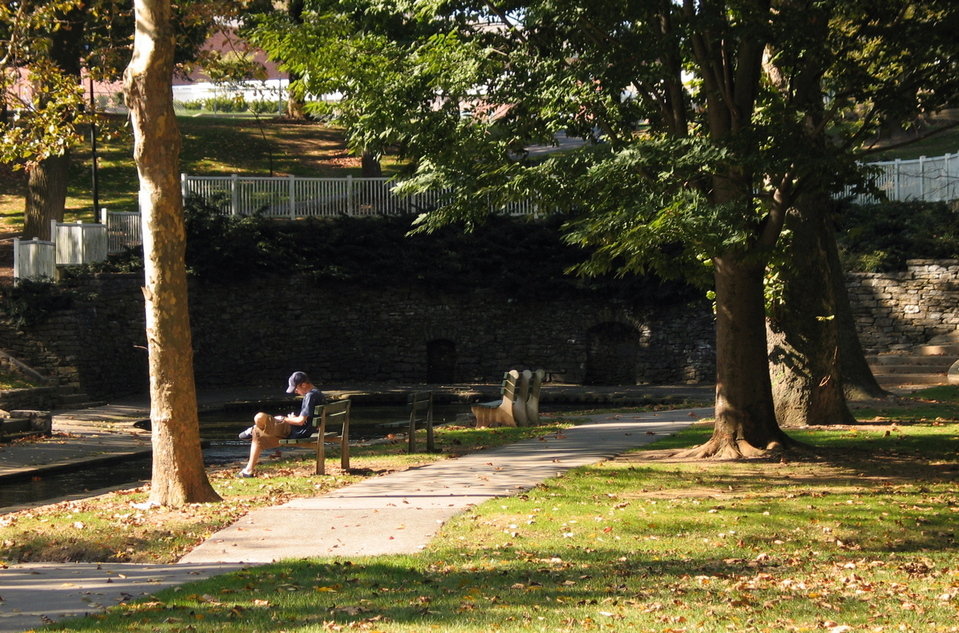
<point>218,432</point>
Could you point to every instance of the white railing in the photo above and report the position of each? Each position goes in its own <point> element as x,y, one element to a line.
<point>295,197</point>
<point>123,228</point>
<point>78,243</point>
<point>34,259</point>
<point>930,179</point>
<point>74,243</point>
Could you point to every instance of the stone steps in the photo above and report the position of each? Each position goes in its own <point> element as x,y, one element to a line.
<point>924,365</point>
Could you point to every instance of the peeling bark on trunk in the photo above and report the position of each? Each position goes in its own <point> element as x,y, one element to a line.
<point>46,195</point>
<point>179,476</point>
<point>745,421</point>
<point>803,336</point>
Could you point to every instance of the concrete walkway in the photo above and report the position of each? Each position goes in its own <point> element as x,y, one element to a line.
<point>401,512</point>
<point>397,513</point>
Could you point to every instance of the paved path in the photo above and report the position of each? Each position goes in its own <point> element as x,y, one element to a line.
<point>397,513</point>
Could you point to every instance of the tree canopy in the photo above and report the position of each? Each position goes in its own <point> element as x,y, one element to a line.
<point>702,123</point>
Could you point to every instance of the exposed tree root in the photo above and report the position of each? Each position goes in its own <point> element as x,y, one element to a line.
<point>727,447</point>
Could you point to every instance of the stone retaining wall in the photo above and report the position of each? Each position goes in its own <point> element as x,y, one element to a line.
<point>905,309</point>
<point>256,333</point>
<point>253,333</point>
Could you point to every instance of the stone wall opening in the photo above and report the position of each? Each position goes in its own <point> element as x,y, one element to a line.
<point>611,353</point>
<point>441,361</point>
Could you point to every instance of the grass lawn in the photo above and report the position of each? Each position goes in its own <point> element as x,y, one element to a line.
<point>859,534</point>
<point>212,145</point>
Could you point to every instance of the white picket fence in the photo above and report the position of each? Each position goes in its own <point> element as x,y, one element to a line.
<point>933,179</point>
<point>930,179</point>
<point>297,197</point>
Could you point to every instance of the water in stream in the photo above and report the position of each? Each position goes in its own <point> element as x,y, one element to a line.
<point>218,431</point>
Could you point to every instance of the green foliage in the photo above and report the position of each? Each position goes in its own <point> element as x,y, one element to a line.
<point>30,303</point>
<point>881,237</point>
<point>377,252</point>
<point>225,103</point>
<point>218,242</point>
<point>193,106</point>
<point>265,106</point>
<point>679,164</point>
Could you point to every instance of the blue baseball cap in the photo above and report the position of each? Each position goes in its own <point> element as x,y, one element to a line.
<point>296,379</point>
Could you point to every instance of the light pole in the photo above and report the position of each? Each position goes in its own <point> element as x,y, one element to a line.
<point>93,147</point>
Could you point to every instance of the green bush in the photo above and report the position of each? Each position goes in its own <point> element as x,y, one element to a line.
<point>225,104</point>
<point>266,106</point>
<point>378,252</point>
<point>881,237</point>
<point>31,302</point>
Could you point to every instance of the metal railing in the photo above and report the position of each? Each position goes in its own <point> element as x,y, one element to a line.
<point>929,179</point>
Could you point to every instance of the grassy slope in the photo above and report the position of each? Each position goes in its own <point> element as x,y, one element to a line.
<point>211,146</point>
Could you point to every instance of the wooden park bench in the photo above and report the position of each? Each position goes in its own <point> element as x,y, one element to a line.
<point>421,414</point>
<point>337,411</point>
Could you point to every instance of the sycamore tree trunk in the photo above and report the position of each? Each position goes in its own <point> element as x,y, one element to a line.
<point>745,420</point>
<point>803,334</point>
<point>178,473</point>
<point>46,195</point>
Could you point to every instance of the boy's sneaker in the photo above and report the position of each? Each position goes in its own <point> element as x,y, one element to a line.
<point>244,475</point>
<point>247,434</point>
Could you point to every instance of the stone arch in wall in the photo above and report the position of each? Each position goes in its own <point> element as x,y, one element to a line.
<point>611,353</point>
<point>440,361</point>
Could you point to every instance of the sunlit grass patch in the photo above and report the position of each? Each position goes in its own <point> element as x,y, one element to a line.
<point>830,542</point>
<point>110,527</point>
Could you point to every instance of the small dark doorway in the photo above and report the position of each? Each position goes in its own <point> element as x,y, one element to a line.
<point>611,353</point>
<point>441,361</point>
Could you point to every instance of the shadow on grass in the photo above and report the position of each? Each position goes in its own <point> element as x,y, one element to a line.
<point>534,591</point>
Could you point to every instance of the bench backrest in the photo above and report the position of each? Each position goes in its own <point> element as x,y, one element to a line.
<point>510,380</point>
<point>421,413</point>
<point>532,401</point>
<point>336,411</point>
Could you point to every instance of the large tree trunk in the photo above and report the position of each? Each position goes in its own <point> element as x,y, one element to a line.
<point>295,101</point>
<point>745,419</point>
<point>178,473</point>
<point>46,195</point>
<point>804,338</point>
<point>371,167</point>
<point>858,381</point>
<point>46,192</point>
